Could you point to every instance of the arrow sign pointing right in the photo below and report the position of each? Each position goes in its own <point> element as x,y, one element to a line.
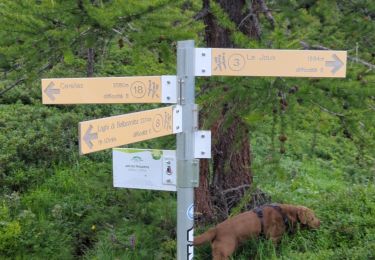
<point>336,64</point>
<point>88,137</point>
<point>50,91</point>
<point>270,63</point>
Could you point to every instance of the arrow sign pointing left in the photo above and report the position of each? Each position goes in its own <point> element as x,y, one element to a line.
<point>109,132</point>
<point>336,64</point>
<point>50,91</point>
<point>110,90</point>
<point>88,137</point>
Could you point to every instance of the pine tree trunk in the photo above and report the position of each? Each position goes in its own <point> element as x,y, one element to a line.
<point>220,191</point>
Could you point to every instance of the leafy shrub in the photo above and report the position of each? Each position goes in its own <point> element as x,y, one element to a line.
<point>10,230</point>
<point>31,137</point>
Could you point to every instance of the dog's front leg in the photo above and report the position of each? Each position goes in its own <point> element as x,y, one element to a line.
<point>275,240</point>
<point>218,256</point>
<point>221,250</point>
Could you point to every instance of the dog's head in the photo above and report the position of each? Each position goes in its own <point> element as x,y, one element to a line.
<point>307,217</point>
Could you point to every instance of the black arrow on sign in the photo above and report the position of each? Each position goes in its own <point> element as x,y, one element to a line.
<point>50,91</point>
<point>88,137</point>
<point>336,63</point>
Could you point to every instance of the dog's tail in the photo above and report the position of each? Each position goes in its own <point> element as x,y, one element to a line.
<point>207,236</point>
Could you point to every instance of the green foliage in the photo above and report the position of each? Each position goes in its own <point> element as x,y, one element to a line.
<point>47,34</point>
<point>57,205</point>
<point>10,229</point>
<point>33,136</point>
<point>76,207</point>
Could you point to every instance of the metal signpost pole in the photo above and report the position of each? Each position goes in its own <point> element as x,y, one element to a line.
<point>187,166</point>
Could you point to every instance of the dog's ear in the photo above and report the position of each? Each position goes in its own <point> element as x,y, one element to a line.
<point>303,214</point>
<point>307,217</point>
<point>292,215</point>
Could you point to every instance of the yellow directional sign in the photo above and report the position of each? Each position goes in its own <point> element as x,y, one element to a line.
<point>269,62</point>
<point>100,134</point>
<point>151,89</point>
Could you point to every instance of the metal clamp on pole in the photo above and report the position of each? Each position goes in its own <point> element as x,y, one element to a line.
<point>203,61</point>
<point>202,144</point>
<point>181,98</point>
<point>177,119</point>
<point>188,180</point>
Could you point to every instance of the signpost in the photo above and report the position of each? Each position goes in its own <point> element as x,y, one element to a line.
<point>100,134</point>
<point>263,62</point>
<point>175,170</point>
<point>150,89</point>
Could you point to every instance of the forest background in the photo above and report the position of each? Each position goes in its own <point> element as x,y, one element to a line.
<point>293,140</point>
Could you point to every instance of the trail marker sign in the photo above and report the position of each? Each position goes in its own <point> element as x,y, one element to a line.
<point>270,62</point>
<point>111,90</point>
<point>100,134</point>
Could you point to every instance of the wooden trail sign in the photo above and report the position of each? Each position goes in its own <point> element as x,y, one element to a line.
<point>111,90</point>
<point>270,62</point>
<point>100,134</point>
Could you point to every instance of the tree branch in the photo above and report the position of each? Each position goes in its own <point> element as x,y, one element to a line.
<point>328,111</point>
<point>236,188</point>
<point>201,14</point>
<point>267,12</point>
<point>145,12</point>
<point>21,80</point>
<point>123,36</point>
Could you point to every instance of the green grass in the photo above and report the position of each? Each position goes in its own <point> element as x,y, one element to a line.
<point>76,211</point>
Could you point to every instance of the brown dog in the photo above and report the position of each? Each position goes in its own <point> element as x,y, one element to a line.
<point>270,220</point>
